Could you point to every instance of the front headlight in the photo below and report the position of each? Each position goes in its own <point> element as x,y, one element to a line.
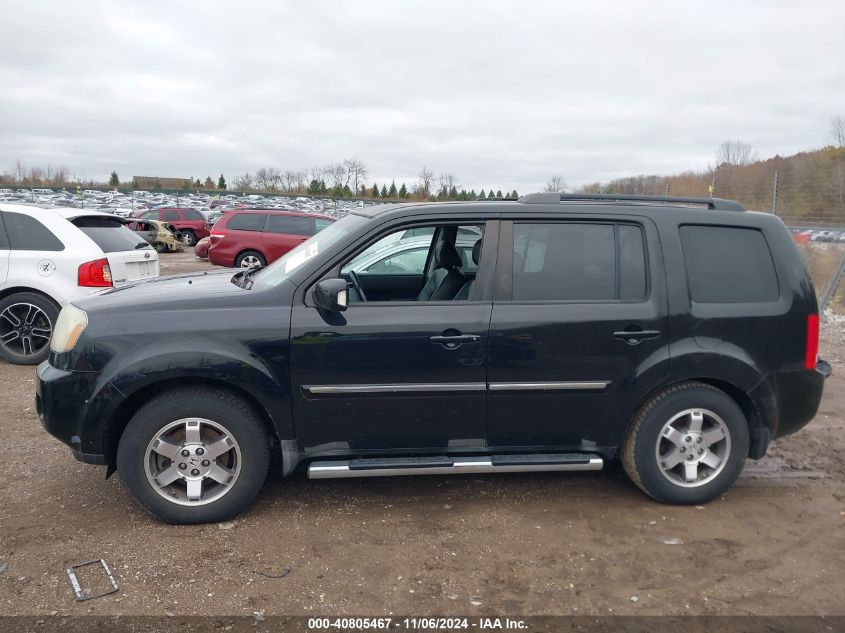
<point>69,326</point>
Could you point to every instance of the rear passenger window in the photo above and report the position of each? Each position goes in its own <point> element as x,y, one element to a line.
<point>28,234</point>
<point>170,216</point>
<point>247,222</point>
<point>728,265</point>
<point>192,214</point>
<point>578,262</point>
<point>290,225</point>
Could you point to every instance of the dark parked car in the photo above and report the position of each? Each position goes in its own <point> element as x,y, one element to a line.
<point>190,223</point>
<point>248,238</point>
<point>677,335</point>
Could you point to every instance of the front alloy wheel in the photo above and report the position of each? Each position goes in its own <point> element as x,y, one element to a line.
<point>193,461</point>
<point>26,326</point>
<point>194,455</point>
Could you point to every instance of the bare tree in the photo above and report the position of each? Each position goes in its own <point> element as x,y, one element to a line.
<point>243,182</point>
<point>448,182</point>
<point>556,184</point>
<point>336,173</point>
<point>426,181</point>
<point>318,173</point>
<point>734,153</point>
<point>356,172</point>
<point>837,130</point>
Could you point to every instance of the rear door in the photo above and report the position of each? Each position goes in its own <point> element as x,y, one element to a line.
<point>578,331</point>
<point>283,232</point>
<point>131,258</point>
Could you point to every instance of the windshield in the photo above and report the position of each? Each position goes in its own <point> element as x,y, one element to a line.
<point>282,268</point>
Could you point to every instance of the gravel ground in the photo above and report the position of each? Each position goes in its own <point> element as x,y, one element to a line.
<point>507,544</point>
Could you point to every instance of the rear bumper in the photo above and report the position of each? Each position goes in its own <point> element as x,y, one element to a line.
<point>74,408</point>
<point>790,400</point>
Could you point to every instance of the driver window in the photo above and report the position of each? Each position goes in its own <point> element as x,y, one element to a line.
<point>420,263</point>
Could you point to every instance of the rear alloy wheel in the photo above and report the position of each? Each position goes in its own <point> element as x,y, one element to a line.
<point>687,445</point>
<point>26,325</point>
<point>194,455</point>
<point>188,238</point>
<point>250,259</point>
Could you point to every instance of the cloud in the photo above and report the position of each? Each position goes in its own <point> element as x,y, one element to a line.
<point>501,94</point>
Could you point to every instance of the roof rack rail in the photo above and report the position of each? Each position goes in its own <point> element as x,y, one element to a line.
<point>717,204</point>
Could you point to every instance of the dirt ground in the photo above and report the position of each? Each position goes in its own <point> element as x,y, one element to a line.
<point>508,544</point>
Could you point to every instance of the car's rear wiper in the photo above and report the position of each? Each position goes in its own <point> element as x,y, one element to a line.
<point>141,245</point>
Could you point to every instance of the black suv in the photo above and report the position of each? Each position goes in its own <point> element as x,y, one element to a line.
<point>679,335</point>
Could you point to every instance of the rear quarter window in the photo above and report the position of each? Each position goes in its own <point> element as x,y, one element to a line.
<point>25,233</point>
<point>290,225</point>
<point>728,265</point>
<point>246,222</point>
<point>111,236</point>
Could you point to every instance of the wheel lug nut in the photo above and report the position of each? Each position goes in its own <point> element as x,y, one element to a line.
<point>195,472</point>
<point>683,449</point>
<point>699,440</point>
<point>200,451</point>
<point>205,462</point>
<point>182,466</point>
<point>688,438</point>
<point>185,452</point>
<point>689,456</point>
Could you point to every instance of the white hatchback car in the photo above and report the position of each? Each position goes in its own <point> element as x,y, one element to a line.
<point>50,256</point>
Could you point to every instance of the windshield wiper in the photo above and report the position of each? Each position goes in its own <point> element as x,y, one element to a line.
<point>141,245</point>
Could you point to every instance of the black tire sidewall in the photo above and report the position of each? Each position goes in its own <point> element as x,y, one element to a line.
<point>50,308</point>
<point>246,254</point>
<point>189,238</point>
<point>647,466</point>
<point>225,409</point>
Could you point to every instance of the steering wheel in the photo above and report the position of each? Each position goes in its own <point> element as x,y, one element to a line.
<point>357,285</point>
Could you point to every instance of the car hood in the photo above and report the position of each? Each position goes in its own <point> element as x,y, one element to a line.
<point>172,292</point>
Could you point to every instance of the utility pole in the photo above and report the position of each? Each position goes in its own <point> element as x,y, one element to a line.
<point>775,193</point>
<point>667,189</point>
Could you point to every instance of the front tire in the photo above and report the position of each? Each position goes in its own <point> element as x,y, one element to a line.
<point>189,238</point>
<point>194,455</point>
<point>687,445</point>
<point>26,326</point>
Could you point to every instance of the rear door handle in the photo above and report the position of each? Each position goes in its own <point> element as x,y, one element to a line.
<point>454,341</point>
<point>634,337</point>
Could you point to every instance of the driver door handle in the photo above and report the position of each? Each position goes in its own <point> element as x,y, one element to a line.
<point>455,340</point>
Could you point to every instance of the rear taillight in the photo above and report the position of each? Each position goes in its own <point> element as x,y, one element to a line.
<point>812,341</point>
<point>96,274</point>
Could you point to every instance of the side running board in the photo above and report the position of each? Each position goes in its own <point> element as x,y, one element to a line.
<point>439,465</point>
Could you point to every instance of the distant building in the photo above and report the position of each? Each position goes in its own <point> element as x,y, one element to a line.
<point>157,182</point>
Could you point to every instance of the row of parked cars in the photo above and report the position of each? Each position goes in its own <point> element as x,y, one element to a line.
<point>817,235</point>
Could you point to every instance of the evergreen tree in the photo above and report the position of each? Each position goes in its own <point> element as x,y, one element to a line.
<point>384,191</point>
<point>221,182</point>
<point>514,195</point>
<point>392,191</point>
<point>209,183</point>
<point>403,191</point>
<point>374,192</point>
<point>453,193</point>
<point>314,187</point>
<point>491,195</point>
<point>472,195</point>
<point>363,192</point>
<point>481,195</point>
<point>347,192</point>
<point>114,181</point>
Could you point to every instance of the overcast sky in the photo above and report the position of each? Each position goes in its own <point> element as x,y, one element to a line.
<point>501,94</point>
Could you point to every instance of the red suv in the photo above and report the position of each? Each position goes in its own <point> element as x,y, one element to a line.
<point>189,222</point>
<point>256,237</point>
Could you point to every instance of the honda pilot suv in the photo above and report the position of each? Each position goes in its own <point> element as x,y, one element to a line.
<point>678,335</point>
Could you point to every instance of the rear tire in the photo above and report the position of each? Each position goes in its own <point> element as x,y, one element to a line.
<point>189,238</point>
<point>687,445</point>
<point>194,455</point>
<point>27,320</point>
<point>250,259</point>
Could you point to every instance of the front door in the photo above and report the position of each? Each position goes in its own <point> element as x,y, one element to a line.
<point>391,374</point>
<point>578,332</point>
